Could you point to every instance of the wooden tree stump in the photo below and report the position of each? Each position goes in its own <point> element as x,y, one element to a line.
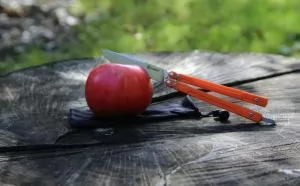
<point>39,148</point>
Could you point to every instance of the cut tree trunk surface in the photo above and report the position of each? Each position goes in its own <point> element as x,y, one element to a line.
<point>39,148</point>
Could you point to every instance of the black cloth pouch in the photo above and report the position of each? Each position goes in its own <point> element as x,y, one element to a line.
<point>83,119</point>
<point>170,109</point>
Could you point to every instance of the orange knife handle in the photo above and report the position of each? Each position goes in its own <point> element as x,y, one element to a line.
<point>231,107</point>
<point>221,89</point>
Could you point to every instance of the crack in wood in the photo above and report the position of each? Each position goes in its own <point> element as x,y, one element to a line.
<point>162,153</point>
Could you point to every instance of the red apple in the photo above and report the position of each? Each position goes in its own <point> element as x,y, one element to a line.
<point>114,90</point>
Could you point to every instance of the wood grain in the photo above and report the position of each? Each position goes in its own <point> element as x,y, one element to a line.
<point>34,109</point>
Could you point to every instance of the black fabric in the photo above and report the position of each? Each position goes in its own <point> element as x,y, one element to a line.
<point>183,108</point>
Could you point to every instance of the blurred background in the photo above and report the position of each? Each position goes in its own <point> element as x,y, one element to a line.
<point>34,32</point>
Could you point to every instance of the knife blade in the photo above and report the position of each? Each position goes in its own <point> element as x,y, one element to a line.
<point>156,73</point>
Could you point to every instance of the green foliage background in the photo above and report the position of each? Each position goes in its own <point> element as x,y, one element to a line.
<point>270,26</point>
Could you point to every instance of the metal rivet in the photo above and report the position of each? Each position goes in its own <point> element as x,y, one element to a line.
<point>250,115</point>
<point>256,99</point>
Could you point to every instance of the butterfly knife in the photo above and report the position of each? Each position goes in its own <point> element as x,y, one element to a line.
<point>182,82</point>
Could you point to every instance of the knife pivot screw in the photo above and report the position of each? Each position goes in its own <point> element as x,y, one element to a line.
<point>170,83</point>
<point>250,115</point>
<point>257,100</point>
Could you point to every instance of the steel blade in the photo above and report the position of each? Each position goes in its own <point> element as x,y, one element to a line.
<point>156,73</point>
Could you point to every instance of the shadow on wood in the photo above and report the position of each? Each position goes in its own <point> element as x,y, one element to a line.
<point>35,104</point>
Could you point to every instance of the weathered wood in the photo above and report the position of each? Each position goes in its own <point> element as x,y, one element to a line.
<point>34,108</point>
